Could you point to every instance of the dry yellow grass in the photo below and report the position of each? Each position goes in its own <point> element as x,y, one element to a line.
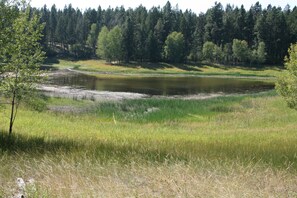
<point>88,179</point>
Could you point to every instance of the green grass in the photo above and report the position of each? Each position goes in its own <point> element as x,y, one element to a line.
<point>226,127</point>
<point>165,68</point>
<point>225,137</point>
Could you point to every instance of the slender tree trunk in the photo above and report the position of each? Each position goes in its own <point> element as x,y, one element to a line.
<point>12,114</point>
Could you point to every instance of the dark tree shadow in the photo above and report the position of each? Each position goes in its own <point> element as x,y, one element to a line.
<point>246,67</point>
<point>104,151</point>
<point>161,65</point>
<point>20,143</point>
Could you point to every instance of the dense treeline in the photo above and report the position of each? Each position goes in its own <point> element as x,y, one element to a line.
<point>223,35</point>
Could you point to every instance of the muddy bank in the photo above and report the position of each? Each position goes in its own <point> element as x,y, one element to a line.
<point>80,94</point>
<point>102,96</point>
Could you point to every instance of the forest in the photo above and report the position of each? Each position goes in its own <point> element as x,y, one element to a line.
<point>224,34</point>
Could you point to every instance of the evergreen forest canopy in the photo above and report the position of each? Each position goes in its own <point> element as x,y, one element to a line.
<point>227,35</point>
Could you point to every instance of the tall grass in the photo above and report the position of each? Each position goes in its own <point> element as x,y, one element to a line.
<point>144,142</point>
<point>241,128</point>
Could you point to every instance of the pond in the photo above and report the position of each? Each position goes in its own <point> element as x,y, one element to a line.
<point>163,85</point>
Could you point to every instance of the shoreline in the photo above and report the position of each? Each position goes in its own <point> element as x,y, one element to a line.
<point>104,96</point>
<point>144,74</point>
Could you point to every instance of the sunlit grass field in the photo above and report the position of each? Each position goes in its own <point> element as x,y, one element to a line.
<point>236,146</point>
<point>166,68</point>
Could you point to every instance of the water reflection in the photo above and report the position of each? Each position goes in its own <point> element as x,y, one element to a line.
<point>163,85</point>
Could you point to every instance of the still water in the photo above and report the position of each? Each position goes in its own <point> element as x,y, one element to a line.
<point>162,85</point>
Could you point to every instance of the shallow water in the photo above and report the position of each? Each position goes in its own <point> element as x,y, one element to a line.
<point>163,85</point>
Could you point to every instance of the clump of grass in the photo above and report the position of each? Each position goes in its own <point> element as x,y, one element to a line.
<point>173,109</point>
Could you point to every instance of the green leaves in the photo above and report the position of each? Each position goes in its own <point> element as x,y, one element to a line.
<point>240,50</point>
<point>110,44</point>
<point>102,43</point>
<point>91,41</point>
<point>174,47</point>
<point>286,85</point>
<point>208,49</point>
<point>22,56</point>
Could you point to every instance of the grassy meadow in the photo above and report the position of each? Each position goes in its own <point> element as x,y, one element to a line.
<point>235,146</point>
<point>101,66</point>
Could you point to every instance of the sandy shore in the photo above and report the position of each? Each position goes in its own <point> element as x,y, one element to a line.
<point>80,94</point>
<point>74,93</point>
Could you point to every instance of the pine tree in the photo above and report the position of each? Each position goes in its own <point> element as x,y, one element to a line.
<point>214,24</point>
<point>151,46</point>
<point>128,39</point>
<point>53,25</point>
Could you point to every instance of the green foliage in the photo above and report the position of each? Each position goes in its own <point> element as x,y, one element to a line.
<point>110,44</point>
<point>286,85</point>
<point>227,53</point>
<point>261,53</point>
<point>7,15</point>
<point>258,55</point>
<point>208,49</point>
<point>102,44</point>
<point>114,44</point>
<point>128,38</point>
<point>37,102</point>
<point>144,31</point>
<point>152,47</point>
<point>80,51</point>
<point>92,37</point>
<point>214,24</point>
<point>241,51</point>
<point>174,47</point>
<point>218,54</point>
<point>272,28</point>
<point>23,56</point>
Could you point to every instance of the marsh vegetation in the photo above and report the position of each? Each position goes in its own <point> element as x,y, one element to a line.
<point>157,147</point>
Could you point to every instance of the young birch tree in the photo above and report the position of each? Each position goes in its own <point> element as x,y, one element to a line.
<point>21,60</point>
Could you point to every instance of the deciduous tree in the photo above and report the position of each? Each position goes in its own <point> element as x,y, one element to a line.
<point>174,47</point>
<point>92,38</point>
<point>22,59</point>
<point>286,85</point>
<point>208,49</point>
<point>115,40</point>
<point>240,50</point>
<point>102,44</point>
